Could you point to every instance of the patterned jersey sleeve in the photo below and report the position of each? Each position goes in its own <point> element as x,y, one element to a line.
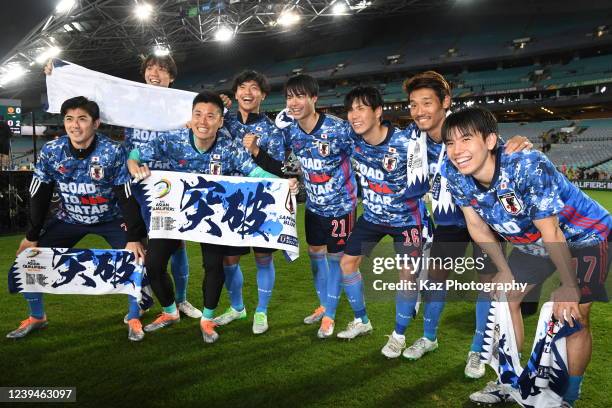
<point>273,143</point>
<point>41,171</point>
<point>154,150</point>
<point>241,159</point>
<point>120,174</point>
<point>454,180</point>
<point>540,189</point>
<point>348,137</point>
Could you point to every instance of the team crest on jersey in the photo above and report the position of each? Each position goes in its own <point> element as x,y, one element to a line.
<point>324,148</point>
<point>389,162</point>
<point>511,204</point>
<point>215,168</point>
<point>96,172</point>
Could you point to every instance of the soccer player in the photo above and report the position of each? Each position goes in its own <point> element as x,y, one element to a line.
<point>259,135</point>
<point>429,95</point>
<point>392,169</point>
<point>203,148</point>
<point>552,224</point>
<point>323,145</point>
<point>161,71</point>
<point>89,172</point>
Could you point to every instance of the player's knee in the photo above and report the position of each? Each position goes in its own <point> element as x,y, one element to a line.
<point>231,260</point>
<point>349,264</point>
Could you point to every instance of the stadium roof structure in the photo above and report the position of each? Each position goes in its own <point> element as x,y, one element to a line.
<point>109,35</point>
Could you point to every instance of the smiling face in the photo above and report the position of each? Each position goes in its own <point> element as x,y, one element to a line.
<point>249,96</point>
<point>471,153</point>
<point>363,118</point>
<point>80,127</point>
<point>157,75</point>
<point>206,119</point>
<point>428,111</point>
<point>300,105</point>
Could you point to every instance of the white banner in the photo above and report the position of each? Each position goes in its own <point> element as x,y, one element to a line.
<point>224,210</point>
<point>544,380</point>
<point>76,271</point>
<point>122,102</point>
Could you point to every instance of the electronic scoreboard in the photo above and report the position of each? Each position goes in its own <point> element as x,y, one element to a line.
<point>10,112</point>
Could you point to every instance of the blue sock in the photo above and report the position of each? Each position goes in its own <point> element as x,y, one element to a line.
<point>405,303</point>
<point>180,272</point>
<point>353,287</point>
<point>133,308</point>
<point>573,390</point>
<point>320,270</point>
<point>483,304</point>
<point>208,314</point>
<point>35,304</point>
<point>171,309</point>
<point>334,284</point>
<point>434,305</point>
<point>233,284</point>
<point>266,275</point>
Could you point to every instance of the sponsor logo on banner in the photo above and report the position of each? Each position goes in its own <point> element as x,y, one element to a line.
<point>161,188</point>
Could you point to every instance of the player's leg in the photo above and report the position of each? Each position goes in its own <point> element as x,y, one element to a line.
<point>407,243</point>
<point>57,234</point>
<point>234,280</point>
<point>361,242</point>
<point>156,260</point>
<point>179,265</point>
<point>212,285</point>
<point>316,237</point>
<point>266,276</point>
<point>340,229</point>
<point>593,264</point>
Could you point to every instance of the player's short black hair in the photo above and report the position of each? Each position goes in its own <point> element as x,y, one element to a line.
<point>166,62</point>
<point>428,79</point>
<point>82,102</point>
<point>368,95</point>
<point>208,97</point>
<point>250,75</point>
<point>469,120</point>
<point>302,85</point>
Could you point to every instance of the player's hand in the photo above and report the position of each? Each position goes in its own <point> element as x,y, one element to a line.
<point>25,244</point>
<point>565,304</point>
<point>294,186</point>
<point>501,277</point>
<point>250,143</point>
<point>137,171</point>
<point>48,69</point>
<point>138,249</point>
<point>517,144</point>
<point>227,102</point>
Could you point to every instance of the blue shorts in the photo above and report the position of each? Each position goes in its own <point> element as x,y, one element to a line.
<point>592,266</point>
<point>330,231</point>
<point>366,235</point>
<point>59,234</point>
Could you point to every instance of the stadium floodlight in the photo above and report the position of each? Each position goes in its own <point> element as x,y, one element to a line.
<point>603,89</point>
<point>161,51</point>
<point>224,34</point>
<point>288,18</point>
<point>64,6</point>
<point>50,52</point>
<point>11,73</point>
<point>339,8</point>
<point>143,11</point>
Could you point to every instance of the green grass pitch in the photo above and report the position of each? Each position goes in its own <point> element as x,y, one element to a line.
<point>86,346</point>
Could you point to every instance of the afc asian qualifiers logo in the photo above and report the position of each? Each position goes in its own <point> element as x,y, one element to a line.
<point>96,172</point>
<point>511,204</point>
<point>161,188</point>
<point>389,162</point>
<point>324,148</point>
<point>215,168</point>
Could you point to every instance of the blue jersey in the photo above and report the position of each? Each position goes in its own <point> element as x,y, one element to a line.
<point>390,196</point>
<point>134,138</point>
<point>325,158</point>
<point>445,211</point>
<point>527,187</point>
<point>85,186</point>
<point>270,138</point>
<point>177,147</point>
